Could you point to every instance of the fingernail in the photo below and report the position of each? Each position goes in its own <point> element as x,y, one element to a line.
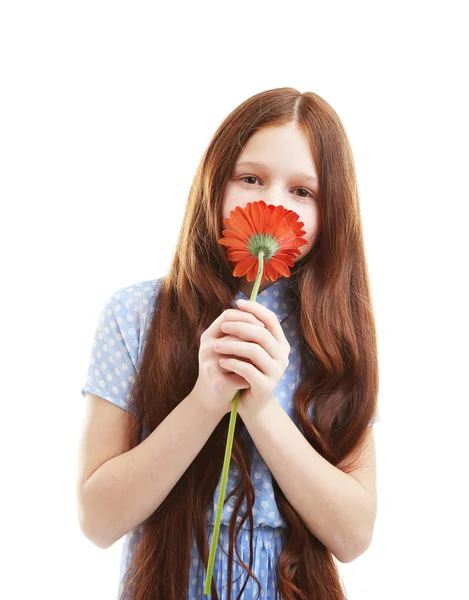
<point>242,302</point>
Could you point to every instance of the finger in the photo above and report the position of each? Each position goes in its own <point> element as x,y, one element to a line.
<point>231,314</point>
<point>249,351</point>
<point>244,369</point>
<point>262,313</point>
<point>259,335</point>
<point>236,380</point>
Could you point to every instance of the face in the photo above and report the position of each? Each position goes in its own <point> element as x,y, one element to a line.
<point>283,174</point>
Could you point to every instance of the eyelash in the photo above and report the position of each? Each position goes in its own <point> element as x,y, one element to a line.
<point>303,197</point>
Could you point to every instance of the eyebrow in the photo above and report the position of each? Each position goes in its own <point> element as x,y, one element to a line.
<point>256,164</point>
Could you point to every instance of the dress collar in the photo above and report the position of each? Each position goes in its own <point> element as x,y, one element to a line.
<point>278,298</point>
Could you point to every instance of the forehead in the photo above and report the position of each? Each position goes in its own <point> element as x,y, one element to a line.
<point>279,149</point>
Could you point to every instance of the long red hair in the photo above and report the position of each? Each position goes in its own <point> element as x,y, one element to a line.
<point>338,354</point>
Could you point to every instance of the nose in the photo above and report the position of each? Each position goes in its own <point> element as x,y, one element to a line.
<point>273,195</point>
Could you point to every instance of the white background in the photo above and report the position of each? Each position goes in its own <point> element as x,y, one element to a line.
<point>106,109</point>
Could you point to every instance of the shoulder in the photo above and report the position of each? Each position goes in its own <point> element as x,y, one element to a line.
<point>133,306</point>
<point>128,309</point>
<point>119,340</point>
<point>136,301</point>
<point>139,295</point>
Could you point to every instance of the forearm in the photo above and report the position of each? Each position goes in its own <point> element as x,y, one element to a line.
<point>331,503</point>
<point>128,488</point>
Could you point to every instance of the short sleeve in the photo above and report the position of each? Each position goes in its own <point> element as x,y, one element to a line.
<point>112,366</point>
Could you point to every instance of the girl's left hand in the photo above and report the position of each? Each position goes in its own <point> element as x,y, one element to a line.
<point>266,351</point>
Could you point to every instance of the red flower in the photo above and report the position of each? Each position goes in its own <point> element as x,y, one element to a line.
<point>260,227</point>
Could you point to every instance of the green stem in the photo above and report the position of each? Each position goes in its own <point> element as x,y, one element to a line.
<point>228,447</point>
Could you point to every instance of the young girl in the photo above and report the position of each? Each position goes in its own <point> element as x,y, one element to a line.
<point>301,487</point>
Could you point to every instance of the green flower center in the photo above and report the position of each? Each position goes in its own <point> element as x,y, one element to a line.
<point>262,242</point>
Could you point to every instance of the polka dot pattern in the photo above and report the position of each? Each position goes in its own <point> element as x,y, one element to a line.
<point>118,343</point>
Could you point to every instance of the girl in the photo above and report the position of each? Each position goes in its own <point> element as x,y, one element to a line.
<point>302,475</point>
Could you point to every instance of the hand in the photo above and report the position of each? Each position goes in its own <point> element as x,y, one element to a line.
<point>266,350</point>
<point>216,387</point>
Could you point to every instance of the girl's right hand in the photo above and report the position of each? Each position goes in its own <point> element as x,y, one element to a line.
<point>216,387</point>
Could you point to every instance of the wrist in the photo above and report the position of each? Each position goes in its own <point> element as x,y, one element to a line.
<point>198,397</point>
<point>256,409</point>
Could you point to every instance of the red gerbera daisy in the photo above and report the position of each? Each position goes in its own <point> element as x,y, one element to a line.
<point>259,227</point>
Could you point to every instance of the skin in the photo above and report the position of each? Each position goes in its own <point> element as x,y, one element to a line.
<point>281,179</point>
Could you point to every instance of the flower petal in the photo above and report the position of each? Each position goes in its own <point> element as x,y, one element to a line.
<point>244,266</point>
<point>280,266</point>
<point>283,231</point>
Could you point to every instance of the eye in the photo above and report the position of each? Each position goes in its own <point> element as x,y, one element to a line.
<point>255,178</point>
<point>249,177</point>
<point>307,191</point>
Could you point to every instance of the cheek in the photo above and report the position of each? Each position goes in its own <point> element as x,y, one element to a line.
<point>310,217</point>
<point>231,199</point>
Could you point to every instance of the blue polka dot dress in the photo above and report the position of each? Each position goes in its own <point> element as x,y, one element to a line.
<point>119,341</point>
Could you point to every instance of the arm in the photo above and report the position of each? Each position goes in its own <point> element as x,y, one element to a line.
<point>128,488</point>
<point>332,504</point>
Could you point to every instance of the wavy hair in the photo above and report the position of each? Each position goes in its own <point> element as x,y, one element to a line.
<point>338,352</point>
